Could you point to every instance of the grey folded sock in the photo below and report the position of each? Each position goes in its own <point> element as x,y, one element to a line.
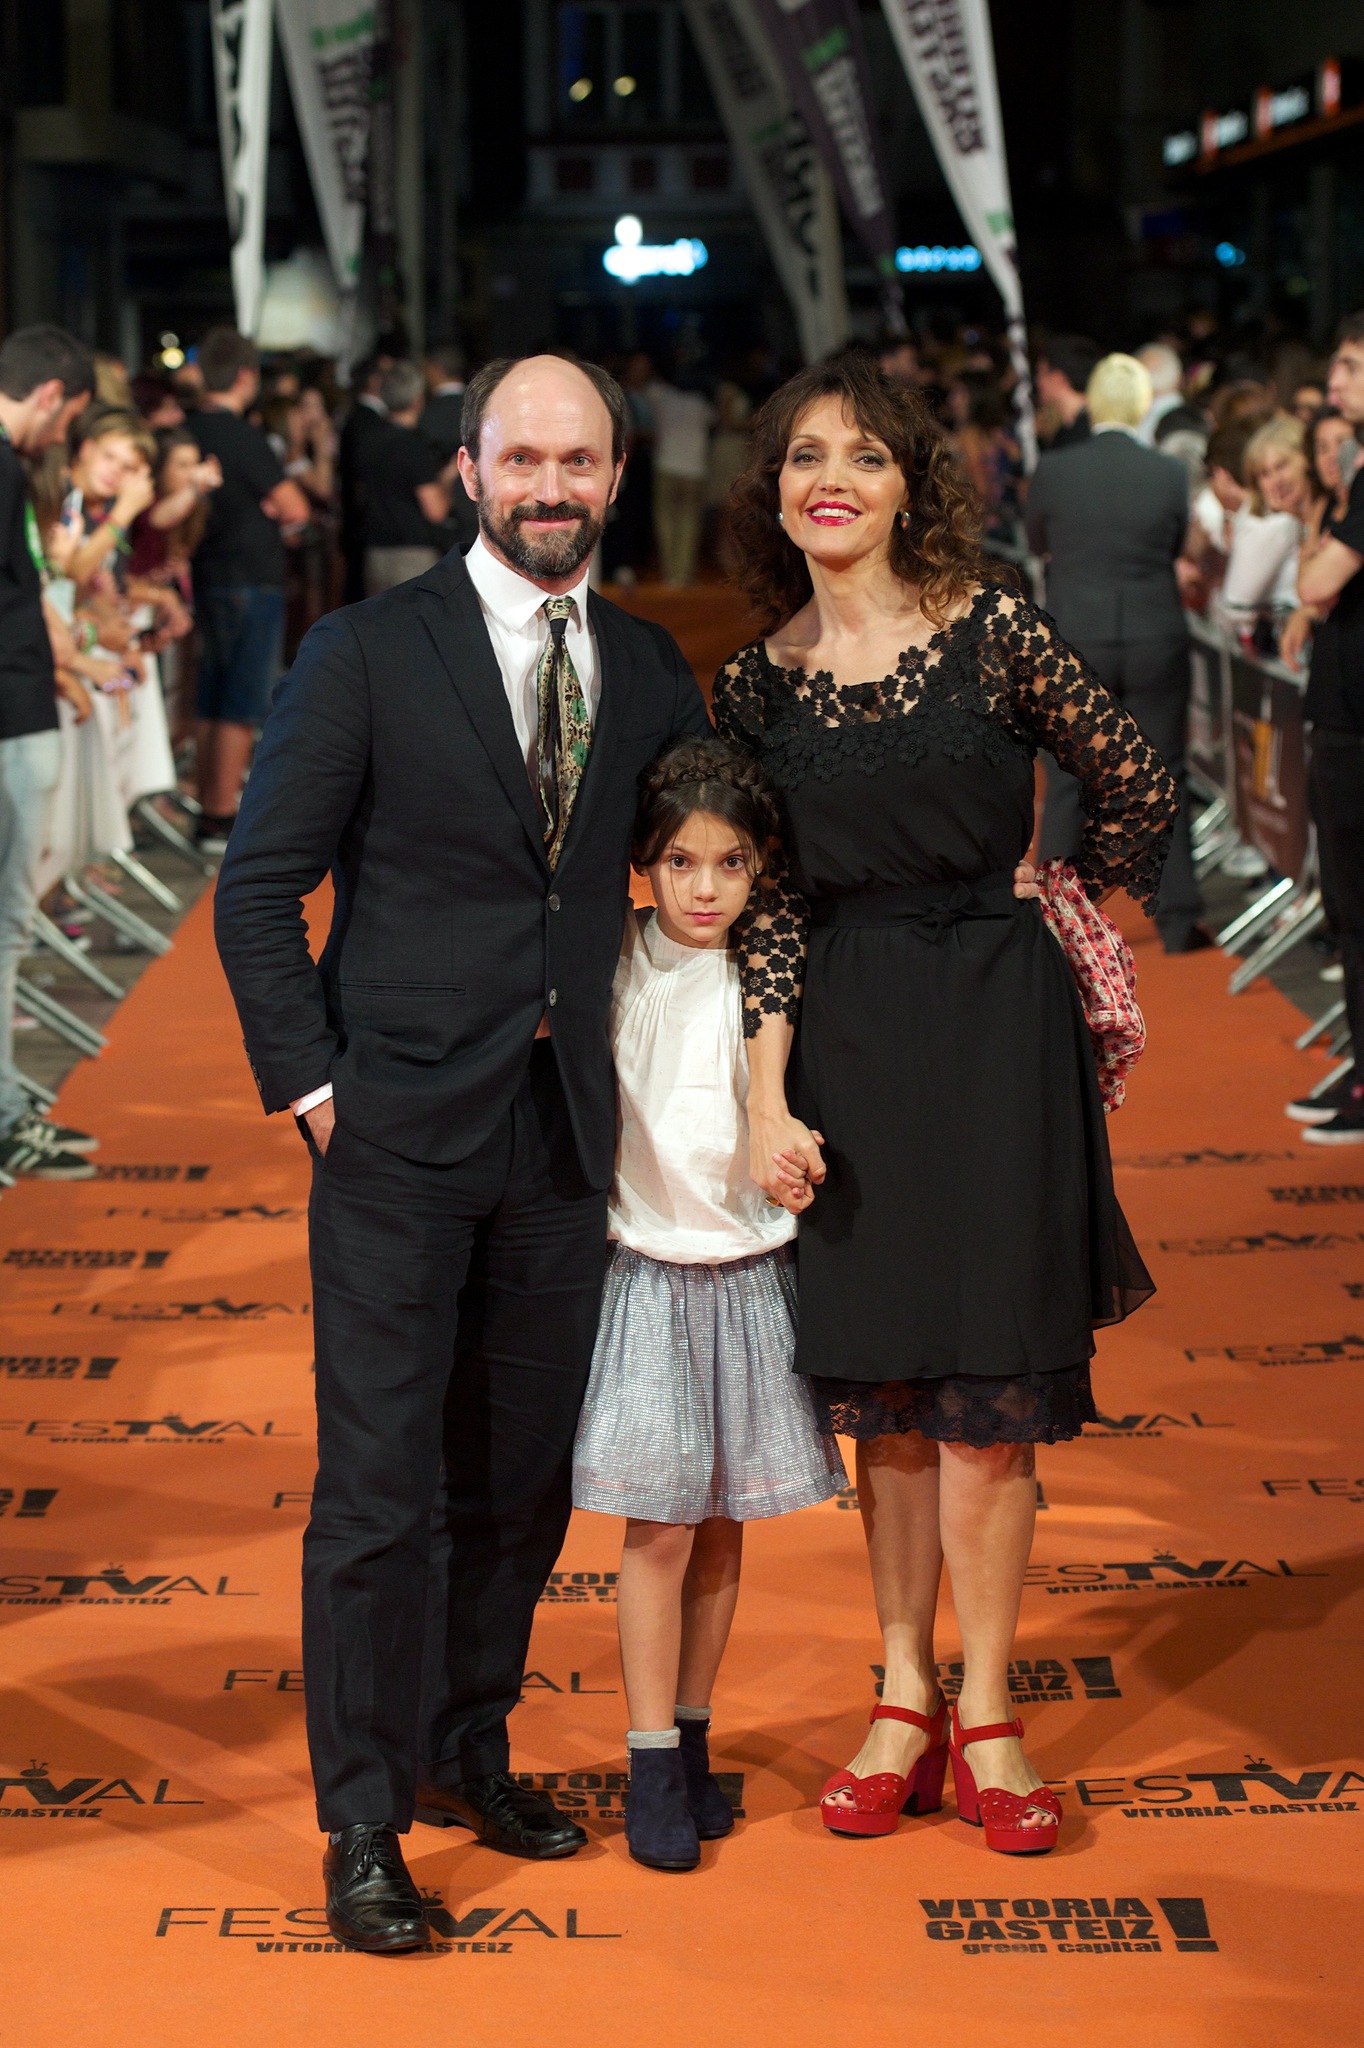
<point>692,1713</point>
<point>652,1738</point>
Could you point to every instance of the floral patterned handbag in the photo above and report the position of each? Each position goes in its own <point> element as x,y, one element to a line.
<point>1105,974</point>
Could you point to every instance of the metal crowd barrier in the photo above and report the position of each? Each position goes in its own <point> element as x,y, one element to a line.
<point>1247,757</point>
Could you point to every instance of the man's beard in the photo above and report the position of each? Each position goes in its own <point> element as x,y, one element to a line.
<point>547,555</point>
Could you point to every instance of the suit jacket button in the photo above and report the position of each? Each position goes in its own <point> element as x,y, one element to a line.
<point>553,997</point>
<point>553,902</point>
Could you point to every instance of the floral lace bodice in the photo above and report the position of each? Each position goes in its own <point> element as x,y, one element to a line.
<point>992,687</point>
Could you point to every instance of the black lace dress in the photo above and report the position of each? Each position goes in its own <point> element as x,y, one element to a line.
<point>967,1241</point>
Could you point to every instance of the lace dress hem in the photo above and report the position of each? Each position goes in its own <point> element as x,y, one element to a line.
<point>1031,1408</point>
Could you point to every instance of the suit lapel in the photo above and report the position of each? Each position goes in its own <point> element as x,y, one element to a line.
<point>454,618</point>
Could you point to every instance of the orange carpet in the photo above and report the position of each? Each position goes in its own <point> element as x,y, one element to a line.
<point>1189,1661</point>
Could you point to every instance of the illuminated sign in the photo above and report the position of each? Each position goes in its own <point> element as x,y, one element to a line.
<point>630,257</point>
<point>1336,87</point>
<point>937,258</point>
<point>1275,110</point>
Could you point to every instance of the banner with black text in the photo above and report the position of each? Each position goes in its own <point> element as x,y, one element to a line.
<point>820,48</point>
<point>788,187</point>
<point>948,55</point>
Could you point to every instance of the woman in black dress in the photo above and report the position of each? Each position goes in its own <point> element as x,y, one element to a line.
<point>965,1241</point>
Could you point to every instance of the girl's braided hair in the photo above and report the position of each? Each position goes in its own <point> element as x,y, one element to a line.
<point>700,773</point>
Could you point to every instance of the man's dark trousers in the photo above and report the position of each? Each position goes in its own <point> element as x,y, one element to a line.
<point>1150,679</point>
<point>471,1289</point>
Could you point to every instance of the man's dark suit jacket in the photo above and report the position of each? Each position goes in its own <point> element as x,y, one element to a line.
<point>1111,515</point>
<point>391,758</point>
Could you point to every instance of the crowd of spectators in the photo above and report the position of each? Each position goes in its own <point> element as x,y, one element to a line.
<point>176,533</point>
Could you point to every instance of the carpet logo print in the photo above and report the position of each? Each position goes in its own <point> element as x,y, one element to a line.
<point>218,1310</point>
<point>569,1588</point>
<point>35,1794</point>
<point>34,1501</point>
<point>599,1796</point>
<point>302,1930</point>
<point>1163,1572</point>
<point>1323,1489</point>
<point>151,1429</point>
<point>1209,1156</point>
<point>1303,1351</point>
<point>246,1212</point>
<point>56,1368</point>
<point>110,1170</point>
<point>54,1259</point>
<point>1148,1425</point>
<point>1036,1678</point>
<point>112,1587</point>
<point>289,1679</point>
<point>1254,1791</point>
<point>1262,1241</point>
<point>1084,1926</point>
<point>1322,1194</point>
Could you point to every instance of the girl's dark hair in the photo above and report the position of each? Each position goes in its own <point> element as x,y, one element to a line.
<point>938,548</point>
<point>691,774</point>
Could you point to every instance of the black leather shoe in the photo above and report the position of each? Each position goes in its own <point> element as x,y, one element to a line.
<point>372,1903</point>
<point>504,1815</point>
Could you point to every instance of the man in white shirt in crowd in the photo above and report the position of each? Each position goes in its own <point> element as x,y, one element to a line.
<point>683,417</point>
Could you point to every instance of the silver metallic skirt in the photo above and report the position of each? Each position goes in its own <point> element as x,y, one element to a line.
<point>692,1408</point>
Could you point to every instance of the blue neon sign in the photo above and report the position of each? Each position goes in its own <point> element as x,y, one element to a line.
<point>630,257</point>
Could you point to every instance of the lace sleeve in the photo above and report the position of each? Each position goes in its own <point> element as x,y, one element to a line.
<point>1127,792</point>
<point>769,936</point>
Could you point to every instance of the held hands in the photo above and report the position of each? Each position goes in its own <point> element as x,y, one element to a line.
<point>784,1157</point>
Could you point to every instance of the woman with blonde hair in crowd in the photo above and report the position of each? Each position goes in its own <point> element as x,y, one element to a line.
<point>1262,567</point>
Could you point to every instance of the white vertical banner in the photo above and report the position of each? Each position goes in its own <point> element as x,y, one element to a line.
<point>242,50</point>
<point>949,58</point>
<point>328,52</point>
<point>788,187</point>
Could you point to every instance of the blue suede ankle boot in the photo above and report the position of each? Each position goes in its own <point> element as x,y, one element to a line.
<point>712,1812</point>
<point>658,1825</point>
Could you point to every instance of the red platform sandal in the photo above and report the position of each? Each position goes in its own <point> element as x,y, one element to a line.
<point>878,1801</point>
<point>1002,1814</point>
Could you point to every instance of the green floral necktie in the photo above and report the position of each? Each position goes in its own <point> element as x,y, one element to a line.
<point>564,733</point>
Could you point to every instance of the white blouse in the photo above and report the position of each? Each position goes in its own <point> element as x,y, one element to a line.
<point>682,1192</point>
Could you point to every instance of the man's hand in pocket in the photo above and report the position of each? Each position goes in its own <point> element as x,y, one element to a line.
<point>321,1121</point>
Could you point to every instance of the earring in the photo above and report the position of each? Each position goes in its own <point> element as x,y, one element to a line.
<point>781,519</point>
<point>904,518</point>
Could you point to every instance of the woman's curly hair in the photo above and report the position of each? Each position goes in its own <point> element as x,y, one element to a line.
<point>938,548</point>
<point>698,773</point>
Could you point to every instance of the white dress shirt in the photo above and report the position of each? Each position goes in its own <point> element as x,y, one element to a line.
<point>519,631</point>
<point>682,1192</point>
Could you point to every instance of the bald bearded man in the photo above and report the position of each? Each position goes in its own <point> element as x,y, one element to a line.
<point>461,753</point>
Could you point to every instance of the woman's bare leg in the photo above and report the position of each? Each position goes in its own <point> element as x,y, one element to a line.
<point>988,1508</point>
<point>710,1592</point>
<point>653,1568</point>
<point>897,1491</point>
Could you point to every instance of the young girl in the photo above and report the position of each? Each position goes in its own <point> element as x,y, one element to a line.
<point>694,1422</point>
